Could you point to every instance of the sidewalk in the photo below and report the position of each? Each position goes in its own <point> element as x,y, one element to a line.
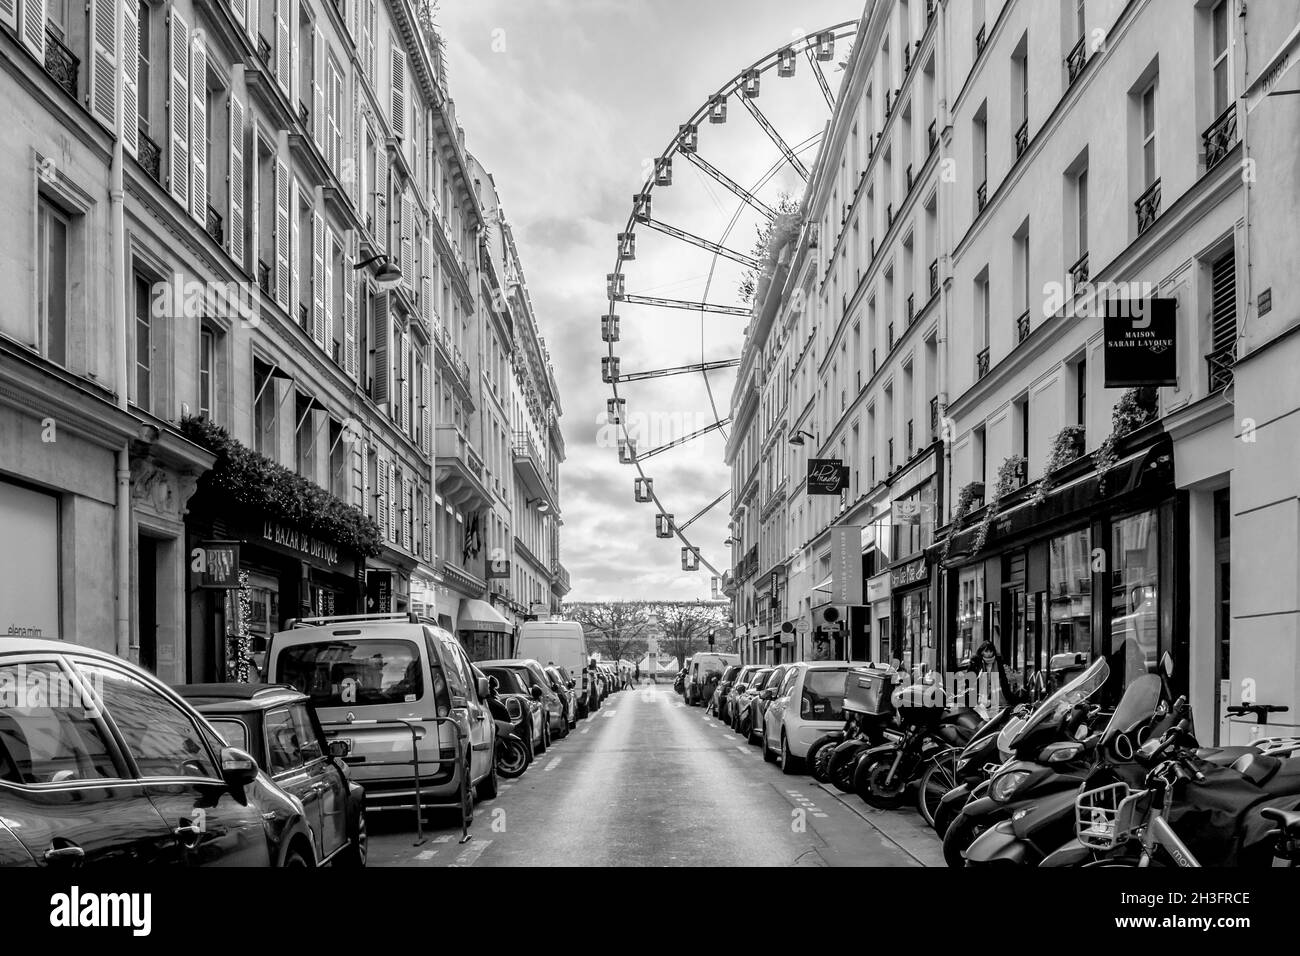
<point>903,827</point>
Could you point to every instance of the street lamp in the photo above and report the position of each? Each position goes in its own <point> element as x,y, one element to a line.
<point>543,506</point>
<point>798,437</point>
<point>388,276</point>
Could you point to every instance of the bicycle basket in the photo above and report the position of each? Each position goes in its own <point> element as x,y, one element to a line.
<point>1106,817</point>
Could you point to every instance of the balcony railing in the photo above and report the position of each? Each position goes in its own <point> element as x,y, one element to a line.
<point>934,417</point>
<point>1022,138</point>
<point>215,226</point>
<point>890,339</point>
<point>1148,207</point>
<point>264,276</point>
<point>934,277</point>
<point>60,62</point>
<point>911,308</point>
<point>1022,326</point>
<point>336,352</point>
<point>1079,271</point>
<point>982,196</point>
<point>1220,365</point>
<point>982,363</point>
<point>932,135</point>
<point>911,439</point>
<point>889,215</point>
<point>1220,137</point>
<point>981,39</point>
<point>264,51</point>
<point>1077,59</point>
<point>888,104</point>
<point>909,177</point>
<point>890,448</point>
<point>304,115</point>
<point>304,316</point>
<point>907,60</point>
<point>150,155</point>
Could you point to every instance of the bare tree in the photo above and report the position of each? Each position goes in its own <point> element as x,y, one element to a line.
<point>616,629</point>
<point>686,626</point>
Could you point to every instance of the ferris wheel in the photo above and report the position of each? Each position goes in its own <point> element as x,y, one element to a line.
<point>686,270</point>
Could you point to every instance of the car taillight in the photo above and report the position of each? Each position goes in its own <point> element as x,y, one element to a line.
<point>441,698</point>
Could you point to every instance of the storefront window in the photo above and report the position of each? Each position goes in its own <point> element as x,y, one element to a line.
<point>1134,611</point>
<point>913,521</point>
<point>914,649</point>
<point>970,612</point>
<point>1070,593</point>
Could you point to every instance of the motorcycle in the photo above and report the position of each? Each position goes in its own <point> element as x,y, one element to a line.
<point>933,733</point>
<point>511,755</point>
<point>869,711</point>
<point>977,762</point>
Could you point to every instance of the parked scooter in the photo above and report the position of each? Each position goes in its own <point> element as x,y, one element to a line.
<point>511,755</point>
<point>869,712</point>
<point>977,762</point>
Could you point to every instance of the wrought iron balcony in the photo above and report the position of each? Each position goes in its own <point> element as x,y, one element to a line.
<point>982,196</point>
<point>1077,59</point>
<point>911,308</point>
<point>1148,207</point>
<point>932,135</point>
<point>150,155</point>
<point>1220,137</point>
<point>934,277</point>
<point>264,276</point>
<point>981,363</point>
<point>890,339</point>
<point>1022,138</point>
<point>60,62</point>
<point>934,416</point>
<point>215,226</point>
<point>1220,365</point>
<point>304,115</point>
<point>264,51</point>
<point>889,215</point>
<point>981,39</point>
<point>909,177</point>
<point>336,352</point>
<point>907,60</point>
<point>1079,271</point>
<point>911,439</point>
<point>891,454</point>
<point>931,6</point>
<point>304,316</point>
<point>888,104</point>
<point>1022,326</point>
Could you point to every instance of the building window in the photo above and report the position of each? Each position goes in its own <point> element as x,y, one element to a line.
<point>207,372</point>
<point>142,65</point>
<point>52,232</point>
<point>970,612</point>
<point>1081,393</point>
<point>1149,136</point>
<point>264,406</point>
<point>1134,593</point>
<point>1070,599</point>
<point>338,462</point>
<point>304,436</point>
<point>143,342</point>
<point>1222,73</point>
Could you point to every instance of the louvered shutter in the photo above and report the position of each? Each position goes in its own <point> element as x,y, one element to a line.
<point>33,28</point>
<point>408,230</point>
<point>283,59</point>
<point>199,129</point>
<point>382,214</point>
<point>131,76</point>
<point>318,279</point>
<point>357,180</point>
<point>251,19</point>
<point>381,509</point>
<point>235,179</point>
<point>426,282</point>
<point>178,109</point>
<point>397,90</point>
<point>365,477</point>
<point>405,374</point>
<point>103,61</point>
<point>331,247</point>
<point>9,13</point>
<point>282,234</point>
<point>350,281</point>
<point>426,405</point>
<point>295,253</point>
<point>318,91</point>
<point>428,530</point>
<point>408,489</point>
<point>393,500</point>
<point>380,388</point>
<point>239,9</point>
<point>1223,309</point>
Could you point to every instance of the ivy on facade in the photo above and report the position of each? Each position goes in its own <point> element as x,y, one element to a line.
<point>1066,447</point>
<point>1135,408</point>
<point>969,493</point>
<point>1005,485</point>
<point>251,479</point>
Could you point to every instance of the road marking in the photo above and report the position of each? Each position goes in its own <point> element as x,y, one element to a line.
<point>742,748</point>
<point>610,713</point>
<point>445,838</point>
<point>426,854</point>
<point>469,856</point>
<point>553,764</point>
<point>585,730</point>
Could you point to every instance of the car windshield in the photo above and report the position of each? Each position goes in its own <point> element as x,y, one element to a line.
<point>730,673</point>
<point>508,681</point>
<point>233,731</point>
<point>539,678</point>
<point>339,673</point>
<point>823,693</point>
<point>760,680</point>
<point>1063,701</point>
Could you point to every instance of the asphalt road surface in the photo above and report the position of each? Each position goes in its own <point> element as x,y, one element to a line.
<point>647,781</point>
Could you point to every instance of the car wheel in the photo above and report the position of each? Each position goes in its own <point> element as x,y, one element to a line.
<point>768,755</point>
<point>488,787</point>
<point>466,796</point>
<point>789,763</point>
<point>546,732</point>
<point>295,858</point>
<point>354,857</point>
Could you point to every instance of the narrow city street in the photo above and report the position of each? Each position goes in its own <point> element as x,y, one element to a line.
<point>648,781</point>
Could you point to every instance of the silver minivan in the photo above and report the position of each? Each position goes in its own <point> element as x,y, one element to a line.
<point>394,685</point>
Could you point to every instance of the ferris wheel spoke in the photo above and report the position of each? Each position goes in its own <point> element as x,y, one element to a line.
<point>731,184</point>
<point>776,137</point>
<point>700,241</point>
<point>678,370</point>
<point>698,433</point>
<point>684,304</point>
<point>705,510</point>
<point>821,78</point>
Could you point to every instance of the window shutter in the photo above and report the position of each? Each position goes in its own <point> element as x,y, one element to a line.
<point>357,186</point>
<point>282,235</point>
<point>318,91</point>
<point>1223,306</point>
<point>408,517</point>
<point>397,89</point>
<point>382,508</point>
<point>426,282</point>
<point>383,330</point>
<point>199,129</point>
<point>250,19</point>
<point>318,279</point>
<point>9,13</point>
<point>405,375</point>
<point>327,293</point>
<point>131,71</point>
<point>282,55</point>
<point>381,197</point>
<point>358,482</point>
<point>350,281</point>
<point>103,61</point>
<point>408,229</point>
<point>236,179</point>
<point>426,406</point>
<point>237,7</point>
<point>33,28</point>
<point>178,110</point>
<point>365,477</point>
<point>393,499</point>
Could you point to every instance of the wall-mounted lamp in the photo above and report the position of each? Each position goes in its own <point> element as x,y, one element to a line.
<point>388,274</point>
<point>543,506</point>
<point>798,437</point>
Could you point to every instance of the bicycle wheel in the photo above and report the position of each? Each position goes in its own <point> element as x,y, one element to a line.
<point>939,777</point>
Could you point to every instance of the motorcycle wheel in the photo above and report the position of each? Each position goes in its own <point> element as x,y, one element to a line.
<point>819,758</point>
<point>511,758</point>
<point>943,817</point>
<point>961,833</point>
<point>869,783</point>
<point>940,776</point>
<point>841,767</point>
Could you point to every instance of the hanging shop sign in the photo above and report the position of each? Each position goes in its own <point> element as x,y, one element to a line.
<point>914,572</point>
<point>220,565</point>
<point>379,592</point>
<point>827,476</point>
<point>846,564</point>
<point>1141,342</point>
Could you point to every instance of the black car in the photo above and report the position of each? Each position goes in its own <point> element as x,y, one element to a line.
<point>278,725</point>
<point>566,687</point>
<point>100,763</point>
<point>525,710</point>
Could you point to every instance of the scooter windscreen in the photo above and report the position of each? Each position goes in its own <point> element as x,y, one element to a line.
<point>1060,703</point>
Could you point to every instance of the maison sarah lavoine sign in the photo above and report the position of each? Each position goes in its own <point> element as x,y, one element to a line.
<point>1141,342</point>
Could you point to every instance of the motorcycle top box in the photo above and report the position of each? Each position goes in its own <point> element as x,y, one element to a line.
<point>868,690</point>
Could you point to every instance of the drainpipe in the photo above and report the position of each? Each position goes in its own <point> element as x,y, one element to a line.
<point>117,267</point>
<point>943,251</point>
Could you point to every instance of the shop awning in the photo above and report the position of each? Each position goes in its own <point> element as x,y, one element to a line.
<point>476,615</point>
<point>825,585</point>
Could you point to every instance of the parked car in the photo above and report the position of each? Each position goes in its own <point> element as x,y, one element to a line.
<point>568,690</point>
<point>561,644</point>
<point>730,691</point>
<point>762,701</point>
<point>702,665</point>
<point>530,673</point>
<point>279,727</point>
<point>119,769</point>
<point>525,710</point>
<point>404,672</point>
<point>808,704</point>
<point>743,695</point>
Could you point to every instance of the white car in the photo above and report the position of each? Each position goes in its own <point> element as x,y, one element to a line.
<point>808,704</point>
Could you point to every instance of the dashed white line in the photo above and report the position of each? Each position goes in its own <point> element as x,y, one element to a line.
<point>426,854</point>
<point>585,730</point>
<point>552,764</point>
<point>469,856</point>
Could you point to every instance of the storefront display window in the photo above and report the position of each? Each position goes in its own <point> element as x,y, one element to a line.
<point>1134,613</point>
<point>913,521</point>
<point>1070,593</point>
<point>914,648</point>
<point>970,612</point>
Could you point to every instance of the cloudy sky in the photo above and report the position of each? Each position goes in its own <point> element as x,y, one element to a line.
<point>564,101</point>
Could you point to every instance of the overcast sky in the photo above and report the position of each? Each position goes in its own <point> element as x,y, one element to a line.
<point>563,101</point>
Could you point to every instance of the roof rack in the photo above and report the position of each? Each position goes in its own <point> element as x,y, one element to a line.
<point>409,617</point>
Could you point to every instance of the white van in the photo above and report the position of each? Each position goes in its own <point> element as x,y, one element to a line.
<point>700,666</point>
<point>563,643</point>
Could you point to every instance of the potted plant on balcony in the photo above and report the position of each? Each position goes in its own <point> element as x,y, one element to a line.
<point>1008,481</point>
<point>1135,408</point>
<point>1066,447</point>
<point>970,492</point>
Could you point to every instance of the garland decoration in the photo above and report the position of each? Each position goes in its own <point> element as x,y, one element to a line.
<point>239,654</point>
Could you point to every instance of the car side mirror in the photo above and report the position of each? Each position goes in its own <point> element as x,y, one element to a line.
<point>338,749</point>
<point>238,768</point>
<point>494,685</point>
<point>537,693</point>
<point>483,687</point>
